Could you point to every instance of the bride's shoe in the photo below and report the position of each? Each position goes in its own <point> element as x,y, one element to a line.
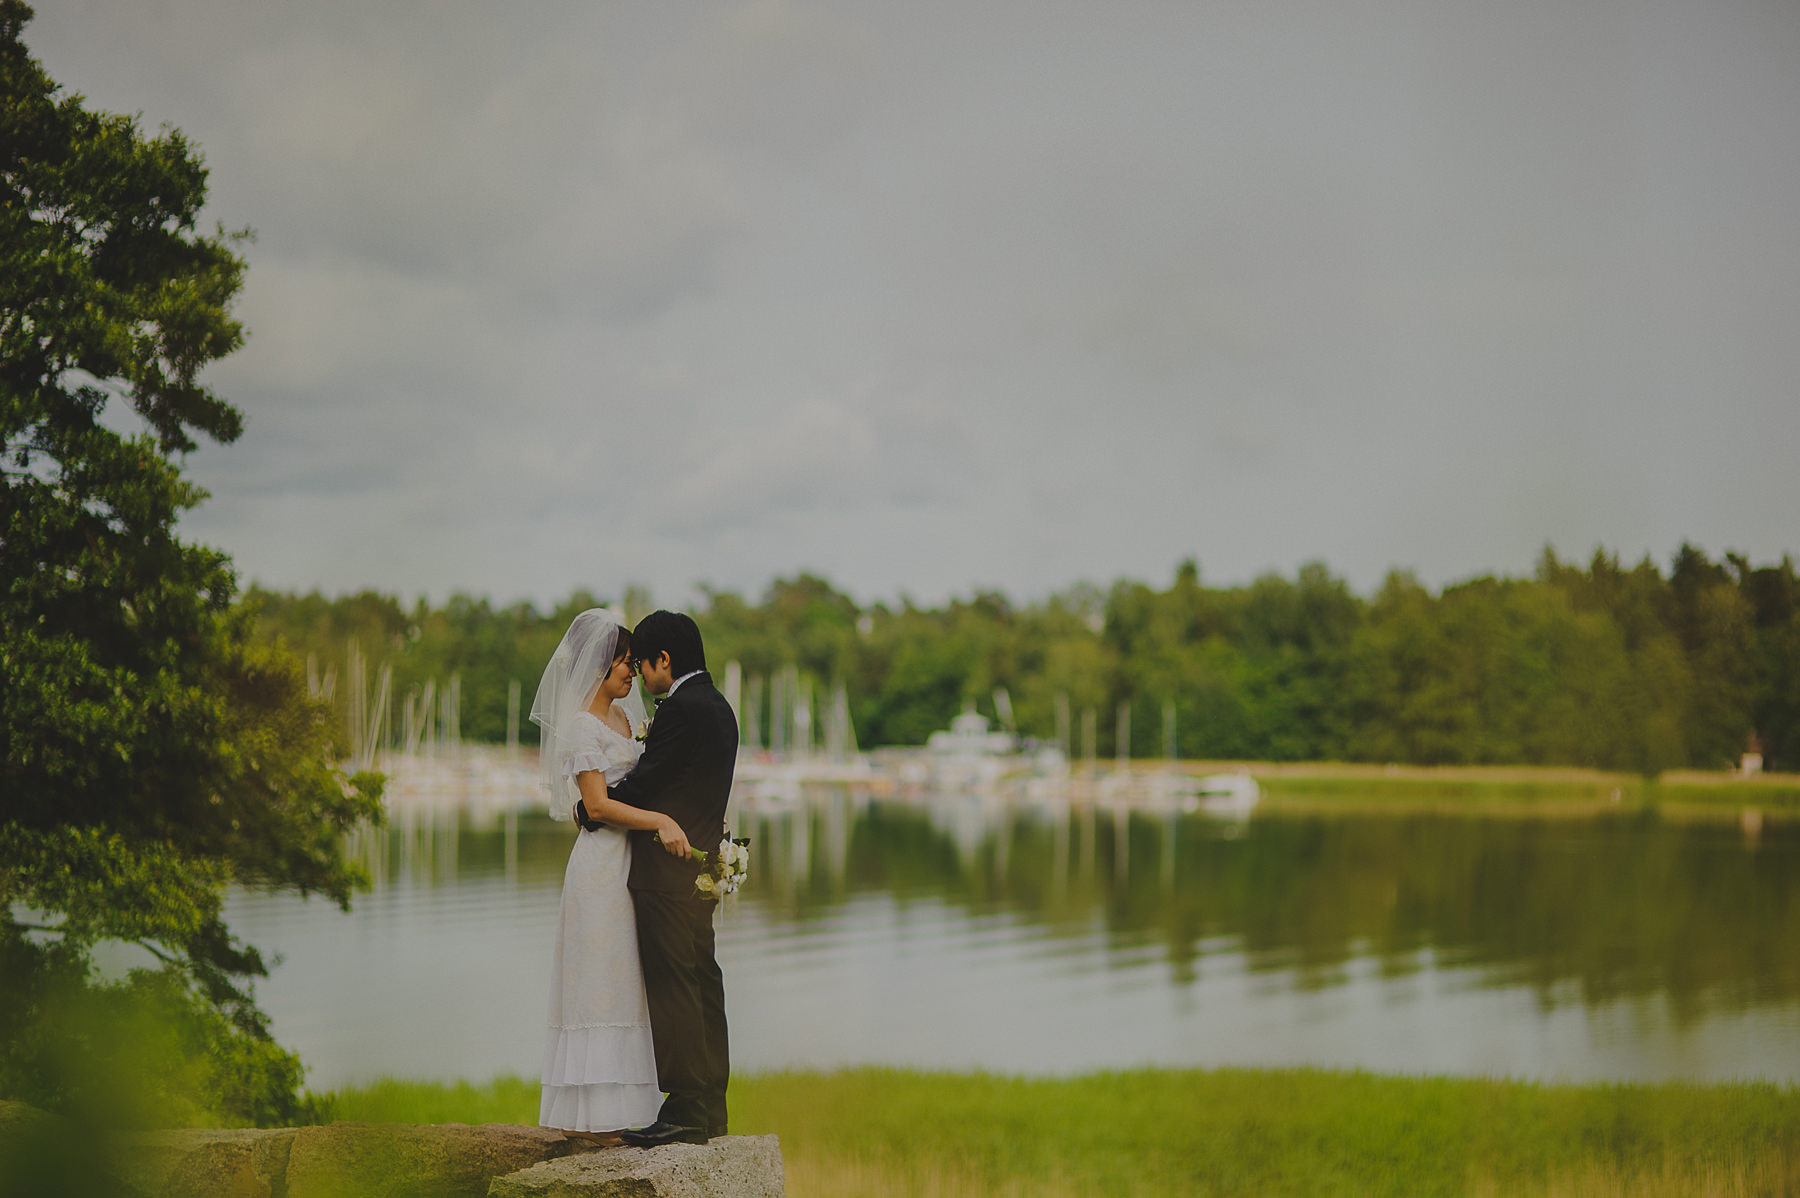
<point>599,1139</point>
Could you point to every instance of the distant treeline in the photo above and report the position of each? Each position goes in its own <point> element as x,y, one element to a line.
<point>1600,665</point>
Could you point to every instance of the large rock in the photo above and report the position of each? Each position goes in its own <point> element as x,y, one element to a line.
<point>401,1160</point>
<point>728,1167</point>
<point>41,1153</point>
<point>242,1162</point>
<point>20,1120</point>
<point>44,1153</point>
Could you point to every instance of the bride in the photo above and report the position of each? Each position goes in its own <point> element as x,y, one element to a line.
<point>599,1061</point>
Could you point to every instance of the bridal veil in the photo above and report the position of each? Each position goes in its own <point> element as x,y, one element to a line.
<point>570,682</point>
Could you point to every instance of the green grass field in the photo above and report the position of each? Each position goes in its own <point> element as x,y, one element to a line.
<point>885,1132</point>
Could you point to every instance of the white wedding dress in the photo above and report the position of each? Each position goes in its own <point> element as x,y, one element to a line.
<point>599,1062</point>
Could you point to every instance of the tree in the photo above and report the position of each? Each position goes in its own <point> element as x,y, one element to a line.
<point>153,747</point>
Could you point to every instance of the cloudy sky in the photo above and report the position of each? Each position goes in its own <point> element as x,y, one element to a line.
<point>934,296</point>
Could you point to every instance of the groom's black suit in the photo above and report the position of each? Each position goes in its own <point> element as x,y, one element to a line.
<point>685,773</point>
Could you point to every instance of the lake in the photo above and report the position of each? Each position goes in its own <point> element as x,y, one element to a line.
<point>956,932</point>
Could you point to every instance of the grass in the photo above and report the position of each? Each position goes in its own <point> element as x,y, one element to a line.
<point>880,1132</point>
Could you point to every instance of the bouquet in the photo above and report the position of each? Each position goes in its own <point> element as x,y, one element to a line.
<point>721,873</point>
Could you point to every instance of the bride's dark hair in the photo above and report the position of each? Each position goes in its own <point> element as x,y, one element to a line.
<point>674,633</point>
<point>621,647</point>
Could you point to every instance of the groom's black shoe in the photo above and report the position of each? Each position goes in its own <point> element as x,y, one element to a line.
<point>660,1133</point>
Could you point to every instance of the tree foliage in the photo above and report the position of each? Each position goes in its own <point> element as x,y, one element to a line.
<point>154,747</point>
<point>1594,665</point>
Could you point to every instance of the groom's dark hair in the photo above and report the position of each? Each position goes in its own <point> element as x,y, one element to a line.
<point>671,632</point>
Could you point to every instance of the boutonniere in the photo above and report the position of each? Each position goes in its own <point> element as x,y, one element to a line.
<point>656,702</point>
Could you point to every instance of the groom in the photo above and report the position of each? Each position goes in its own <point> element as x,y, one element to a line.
<point>685,773</point>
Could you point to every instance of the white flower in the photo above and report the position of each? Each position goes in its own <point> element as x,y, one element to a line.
<point>722,872</point>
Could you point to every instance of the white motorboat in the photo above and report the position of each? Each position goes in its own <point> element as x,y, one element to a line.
<point>968,756</point>
<point>1229,796</point>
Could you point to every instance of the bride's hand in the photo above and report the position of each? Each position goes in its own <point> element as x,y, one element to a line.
<point>673,838</point>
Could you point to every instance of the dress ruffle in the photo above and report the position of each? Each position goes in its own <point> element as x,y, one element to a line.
<point>576,763</point>
<point>577,1056</point>
<point>604,1106</point>
<point>599,1078</point>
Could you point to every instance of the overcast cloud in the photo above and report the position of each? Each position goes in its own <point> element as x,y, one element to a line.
<point>925,297</point>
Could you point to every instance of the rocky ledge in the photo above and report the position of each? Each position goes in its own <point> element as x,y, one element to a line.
<point>729,1167</point>
<point>402,1160</point>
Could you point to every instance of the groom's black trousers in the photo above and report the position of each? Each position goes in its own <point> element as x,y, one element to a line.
<point>686,992</point>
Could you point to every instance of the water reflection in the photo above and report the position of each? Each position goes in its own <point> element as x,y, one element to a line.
<point>961,932</point>
<point>1586,910</point>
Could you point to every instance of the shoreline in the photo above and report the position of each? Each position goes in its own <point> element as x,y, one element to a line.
<point>1344,785</point>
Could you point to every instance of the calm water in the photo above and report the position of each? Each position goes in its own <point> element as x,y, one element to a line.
<point>957,934</point>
